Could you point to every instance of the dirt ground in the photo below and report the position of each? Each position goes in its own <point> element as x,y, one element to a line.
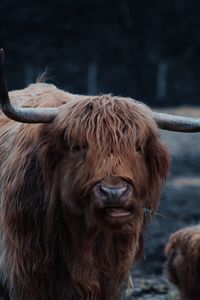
<point>180,207</point>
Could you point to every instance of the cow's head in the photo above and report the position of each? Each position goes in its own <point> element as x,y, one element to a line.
<point>182,265</point>
<point>112,162</point>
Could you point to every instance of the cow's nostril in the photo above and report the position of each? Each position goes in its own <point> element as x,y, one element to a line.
<point>113,192</point>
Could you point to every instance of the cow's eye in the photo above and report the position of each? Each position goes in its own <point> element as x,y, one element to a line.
<point>75,148</point>
<point>139,149</point>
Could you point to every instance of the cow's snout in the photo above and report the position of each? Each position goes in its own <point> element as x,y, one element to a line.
<point>113,196</point>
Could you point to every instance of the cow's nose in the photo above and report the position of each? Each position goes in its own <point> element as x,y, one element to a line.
<point>113,196</point>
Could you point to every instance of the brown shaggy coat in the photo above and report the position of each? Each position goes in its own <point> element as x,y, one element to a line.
<point>52,244</point>
<point>183,262</point>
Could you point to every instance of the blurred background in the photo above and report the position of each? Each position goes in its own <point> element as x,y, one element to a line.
<point>147,50</point>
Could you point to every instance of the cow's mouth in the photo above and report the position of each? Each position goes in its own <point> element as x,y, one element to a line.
<point>117,212</point>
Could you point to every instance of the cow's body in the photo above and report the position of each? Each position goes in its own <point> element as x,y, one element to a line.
<point>73,194</point>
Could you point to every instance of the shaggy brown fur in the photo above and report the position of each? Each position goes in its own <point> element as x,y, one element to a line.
<point>56,240</point>
<point>183,262</point>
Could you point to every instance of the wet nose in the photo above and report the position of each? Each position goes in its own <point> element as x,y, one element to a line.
<point>113,196</point>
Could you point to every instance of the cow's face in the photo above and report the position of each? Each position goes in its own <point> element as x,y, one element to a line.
<point>113,162</point>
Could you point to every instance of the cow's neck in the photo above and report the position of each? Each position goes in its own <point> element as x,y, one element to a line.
<point>93,261</point>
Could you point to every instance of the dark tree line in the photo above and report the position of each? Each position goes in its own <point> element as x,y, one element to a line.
<point>148,50</point>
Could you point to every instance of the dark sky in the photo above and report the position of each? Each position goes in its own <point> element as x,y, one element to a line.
<point>148,50</point>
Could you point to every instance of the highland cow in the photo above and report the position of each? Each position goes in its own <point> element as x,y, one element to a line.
<point>183,262</point>
<point>74,189</point>
<point>74,193</point>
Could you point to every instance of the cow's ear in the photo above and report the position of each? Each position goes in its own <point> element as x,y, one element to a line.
<point>157,161</point>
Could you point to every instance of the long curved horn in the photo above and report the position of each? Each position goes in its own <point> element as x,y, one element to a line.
<point>46,115</point>
<point>176,123</point>
<point>24,115</point>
